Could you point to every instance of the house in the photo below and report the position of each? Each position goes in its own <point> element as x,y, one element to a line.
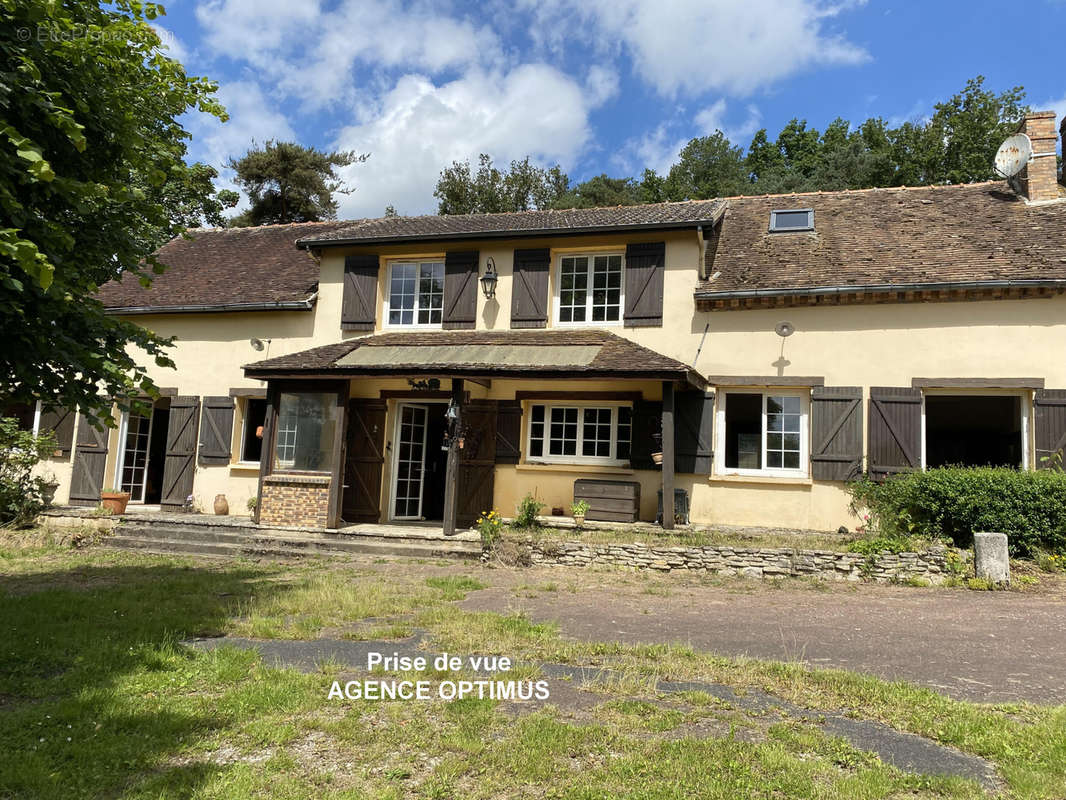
<point>769,348</point>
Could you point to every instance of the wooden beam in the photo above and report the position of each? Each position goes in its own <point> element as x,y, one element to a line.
<point>257,393</point>
<point>337,476</point>
<point>766,380</point>
<point>668,455</point>
<point>549,395</point>
<point>977,383</point>
<point>266,460</point>
<point>451,473</point>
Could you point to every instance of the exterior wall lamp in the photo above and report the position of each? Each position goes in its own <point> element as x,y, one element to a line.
<point>488,280</point>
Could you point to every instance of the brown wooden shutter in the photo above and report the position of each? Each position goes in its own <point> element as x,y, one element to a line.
<point>647,422</point>
<point>644,269</point>
<point>529,288</point>
<point>460,289</point>
<point>359,306</point>
<point>179,466</point>
<point>894,436</point>
<point>90,457</point>
<point>693,432</point>
<point>364,461</point>
<point>1049,407</point>
<point>60,422</point>
<point>508,432</point>
<point>216,431</point>
<point>836,433</point>
<point>477,462</point>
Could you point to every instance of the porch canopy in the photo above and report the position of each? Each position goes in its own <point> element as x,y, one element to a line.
<point>481,355</point>
<point>477,357</point>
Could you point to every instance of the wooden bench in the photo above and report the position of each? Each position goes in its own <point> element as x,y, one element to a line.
<point>609,501</point>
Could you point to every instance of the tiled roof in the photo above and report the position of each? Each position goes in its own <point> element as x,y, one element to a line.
<point>520,223</point>
<point>550,353</point>
<point>226,266</point>
<point>877,237</point>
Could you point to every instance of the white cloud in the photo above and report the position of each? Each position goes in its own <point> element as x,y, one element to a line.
<point>601,84</point>
<point>313,53</point>
<point>734,46</point>
<point>418,128</point>
<point>170,43</point>
<point>713,118</point>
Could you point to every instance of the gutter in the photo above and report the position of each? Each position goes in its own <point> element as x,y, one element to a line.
<point>281,305</point>
<point>307,244</point>
<point>1050,283</point>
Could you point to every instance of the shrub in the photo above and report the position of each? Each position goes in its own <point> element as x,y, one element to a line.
<point>526,513</point>
<point>580,508</point>
<point>488,525</point>
<point>953,502</point>
<point>21,492</point>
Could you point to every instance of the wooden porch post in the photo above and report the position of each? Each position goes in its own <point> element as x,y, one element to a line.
<point>668,455</point>
<point>451,475</point>
<point>266,458</point>
<point>337,473</point>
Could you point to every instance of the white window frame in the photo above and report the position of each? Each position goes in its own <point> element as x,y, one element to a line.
<point>244,430</point>
<point>769,472</point>
<point>808,227</point>
<point>120,459</point>
<point>547,458</point>
<point>418,262</point>
<point>1025,409</point>
<point>557,302</point>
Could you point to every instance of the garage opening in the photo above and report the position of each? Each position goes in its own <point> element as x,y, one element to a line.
<point>973,431</point>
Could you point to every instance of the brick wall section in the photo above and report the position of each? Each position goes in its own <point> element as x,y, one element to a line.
<point>295,501</point>
<point>1040,177</point>
<point>933,565</point>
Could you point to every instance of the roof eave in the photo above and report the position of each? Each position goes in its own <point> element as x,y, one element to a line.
<point>740,294</point>
<point>307,244</point>
<point>280,305</point>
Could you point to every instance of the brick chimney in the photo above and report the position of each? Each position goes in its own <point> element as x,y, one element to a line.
<point>1039,180</point>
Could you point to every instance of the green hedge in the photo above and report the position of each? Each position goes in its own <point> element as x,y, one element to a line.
<point>953,502</point>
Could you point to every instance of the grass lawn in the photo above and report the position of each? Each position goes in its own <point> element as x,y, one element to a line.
<point>98,698</point>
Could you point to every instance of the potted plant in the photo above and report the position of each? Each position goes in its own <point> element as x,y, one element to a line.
<point>657,447</point>
<point>114,500</point>
<point>579,509</point>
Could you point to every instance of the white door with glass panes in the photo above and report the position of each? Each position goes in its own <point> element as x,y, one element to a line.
<point>133,459</point>
<point>410,462</point>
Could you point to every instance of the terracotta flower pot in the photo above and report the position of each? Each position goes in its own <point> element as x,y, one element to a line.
<point>115,502</point>
<point>221,505</point>
<point>579,519</point>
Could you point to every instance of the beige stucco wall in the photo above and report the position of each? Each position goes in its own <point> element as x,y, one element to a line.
<point>883,345</point>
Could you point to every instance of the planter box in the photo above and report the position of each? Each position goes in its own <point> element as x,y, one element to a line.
<point>609,501</point>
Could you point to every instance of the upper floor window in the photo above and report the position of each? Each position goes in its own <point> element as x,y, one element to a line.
<point>792,219</point>
<point>579,433</point>
<point>763,433</point>
<point>589,289</point>
<point>415,294</point>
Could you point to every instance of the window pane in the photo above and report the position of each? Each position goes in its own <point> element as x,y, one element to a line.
<point>252,439</point>
<point>562,435</point>
<point>743,431</point>
<point>783,432</point>
<point>306,425</point>
<point>573,288</point>
<point>606,284</point>
<point>596,432</point>
<point>430,293</point>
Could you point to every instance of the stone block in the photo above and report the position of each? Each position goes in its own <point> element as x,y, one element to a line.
<point>991,558</point>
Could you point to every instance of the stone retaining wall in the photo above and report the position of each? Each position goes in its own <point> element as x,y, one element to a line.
<point>932,565</point>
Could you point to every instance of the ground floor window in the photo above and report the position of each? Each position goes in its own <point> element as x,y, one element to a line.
<point>307,424</point>
<point>974,430</point>
<point>252,430</point>
<point>579,433</point>
<point>763,432</point>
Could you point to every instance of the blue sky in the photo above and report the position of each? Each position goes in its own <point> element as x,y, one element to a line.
<point>594,85</point>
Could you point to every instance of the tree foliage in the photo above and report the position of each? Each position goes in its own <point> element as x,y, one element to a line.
<point>92,180</point>
<point>489,190</point>
<point>287,182</point>
<point>955,144</point>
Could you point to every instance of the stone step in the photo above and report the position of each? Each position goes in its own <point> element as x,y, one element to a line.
<point>258,548</point>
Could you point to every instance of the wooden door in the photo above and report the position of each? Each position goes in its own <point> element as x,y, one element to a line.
<point>477,462</point>
<point>90,457</point>
<point>179,465</point>
<point>364,461</point>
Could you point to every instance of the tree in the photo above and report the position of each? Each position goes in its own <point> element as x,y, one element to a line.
<point>390,211</point>
<point>602,190</point>
<point>522,187</point>
<point>92,181</point>
<point>709,166</point>
<point>287,182</point>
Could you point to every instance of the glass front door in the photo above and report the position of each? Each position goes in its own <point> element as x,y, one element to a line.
<point>410,462</point>
<point>133,471</point>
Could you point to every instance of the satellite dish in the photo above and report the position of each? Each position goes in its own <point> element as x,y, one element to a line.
<point>1013,155</point>
<point>784,329</point>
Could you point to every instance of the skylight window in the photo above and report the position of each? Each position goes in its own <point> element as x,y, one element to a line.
<point>792,219</point>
